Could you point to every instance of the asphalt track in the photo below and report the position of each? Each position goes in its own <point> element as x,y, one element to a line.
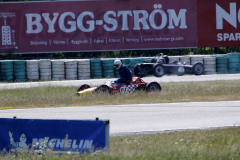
<point>143,118</point>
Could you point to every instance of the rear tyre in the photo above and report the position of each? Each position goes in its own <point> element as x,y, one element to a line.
<point>103,89</point>
<point>141,88</point>
<point>153,87</point>
<point>82,87</point>
<point>137,71</point>
<point>198,69</point>
<point>158,70</point>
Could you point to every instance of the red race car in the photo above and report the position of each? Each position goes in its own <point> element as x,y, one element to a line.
<point>137,84</point>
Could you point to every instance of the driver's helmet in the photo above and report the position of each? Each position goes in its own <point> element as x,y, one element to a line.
<point>117,64</point>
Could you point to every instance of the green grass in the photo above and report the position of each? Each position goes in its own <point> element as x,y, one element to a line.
<point>218,144</point>
<point>171,92</point>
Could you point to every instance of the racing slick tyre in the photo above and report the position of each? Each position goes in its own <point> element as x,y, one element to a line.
<point>137,71</point>
<point>141,88</point>
<point>158,70</point>
<point>180,71</point>
<point>198,69</point>
<point>103,89</point>
<point>153,87</point>
<point>82,87</point>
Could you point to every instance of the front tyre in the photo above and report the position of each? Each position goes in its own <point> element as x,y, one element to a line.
<point>82,87</point>
<point>103,89</point>
<point>153,87</point>
<point>180,71</point>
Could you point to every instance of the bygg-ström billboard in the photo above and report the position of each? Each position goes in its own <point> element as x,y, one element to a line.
<point>35,27</point>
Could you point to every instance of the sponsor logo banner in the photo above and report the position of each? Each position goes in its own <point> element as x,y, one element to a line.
<point>34,27</point>
<point>58,135</point>
<point>218,23</point>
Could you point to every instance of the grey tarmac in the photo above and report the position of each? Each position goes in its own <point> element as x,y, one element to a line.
<point>144,118</point>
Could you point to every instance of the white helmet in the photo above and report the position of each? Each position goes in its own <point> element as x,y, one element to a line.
<point>117,64</point>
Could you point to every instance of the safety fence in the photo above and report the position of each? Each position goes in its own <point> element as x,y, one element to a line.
<point>78,69</point>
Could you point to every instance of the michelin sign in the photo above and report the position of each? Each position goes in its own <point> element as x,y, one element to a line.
<point>57,135</point>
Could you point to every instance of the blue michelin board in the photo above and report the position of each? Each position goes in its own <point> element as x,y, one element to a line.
<point>58,135</point>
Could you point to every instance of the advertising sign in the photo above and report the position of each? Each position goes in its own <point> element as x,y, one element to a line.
<point>97,25</point>
<point>218,23</point>
<point>58,135</point>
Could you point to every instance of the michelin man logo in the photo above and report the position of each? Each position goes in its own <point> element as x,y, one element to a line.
<point>18,145</point>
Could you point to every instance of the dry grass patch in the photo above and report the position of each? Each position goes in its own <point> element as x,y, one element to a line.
<point>171,92</point>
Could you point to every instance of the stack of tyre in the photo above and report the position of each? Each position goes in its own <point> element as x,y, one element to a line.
<point>222,64</point>
<point>233,62</point>
<point>58,70</point>
<point>185,60</point>
<point>71,69</point>
<point>196,59</point>
<point>6,70</point>
<point>209,65</point>
<point>45,68</point>
<point>19,68</point>
<point>173,58</point>
<point>96,68</point>
<point>32,70</point>
<point>107,66</point>
<point>83,69</point>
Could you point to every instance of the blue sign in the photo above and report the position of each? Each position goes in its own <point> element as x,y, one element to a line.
<point>58,135</point>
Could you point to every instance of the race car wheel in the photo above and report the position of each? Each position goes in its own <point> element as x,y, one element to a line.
<point>82,87</point>
<point>153,87</point>
<point>138,72</point>
<point>158,70</point>
<point>180,71</point>
<point>198,69</point>
<point>103,89</point>
<point>141,88</point>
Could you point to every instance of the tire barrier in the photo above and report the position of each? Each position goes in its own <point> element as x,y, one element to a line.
<point>173,58</point>
<point>32,68</point>
<point>84,69</point>
<point>185,59</point>
<point>96,68</point>
<point>209,63</point>
<point>71,69</point>
<point>6,70</point>
<point>19,70</point>
<point>58,70</point>
<point>233,62</point>
<point>107,67</point>
<point>45,69</point>
<point>222,64</point>
<point>196,59</point>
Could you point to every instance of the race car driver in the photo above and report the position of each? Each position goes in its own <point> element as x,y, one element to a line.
<point>124,72</point>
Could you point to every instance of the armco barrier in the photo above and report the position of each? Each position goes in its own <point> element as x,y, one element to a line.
<point>57,135</point>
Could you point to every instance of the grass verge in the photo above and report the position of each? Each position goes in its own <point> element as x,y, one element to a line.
<point>171,92</point>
